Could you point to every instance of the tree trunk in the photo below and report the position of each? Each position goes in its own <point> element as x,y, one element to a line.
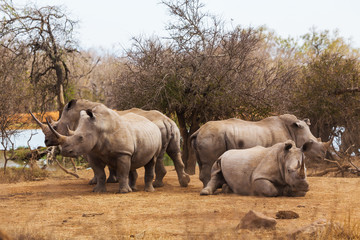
<point>60,86</point>
<point>188,155</point>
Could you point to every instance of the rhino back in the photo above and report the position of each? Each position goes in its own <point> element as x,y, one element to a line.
<point>238,166</point>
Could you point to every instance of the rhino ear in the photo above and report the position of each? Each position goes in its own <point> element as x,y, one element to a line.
<point>71,104</point>
<point>297,125</point>
<point>288,146</point>
<point>307,121</point>
<point>90,113</point>
<point>307,146</point>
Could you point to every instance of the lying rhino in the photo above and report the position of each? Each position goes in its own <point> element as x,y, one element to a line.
<point>124,142</point>
<point>275,171</point>
<point>170,136</point>
<point>216,137</point>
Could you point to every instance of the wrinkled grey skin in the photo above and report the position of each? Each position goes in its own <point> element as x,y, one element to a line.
<point>124,142</point>
<point>170,135</point>
<point>275,171</point>
<point>216,137</point>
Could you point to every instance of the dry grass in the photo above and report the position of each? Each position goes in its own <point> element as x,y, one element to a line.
<point>14,175</point>
<point>65,208</point>
<point>27,122</point>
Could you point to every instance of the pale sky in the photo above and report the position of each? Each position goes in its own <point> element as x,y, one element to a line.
<point>110,24</point>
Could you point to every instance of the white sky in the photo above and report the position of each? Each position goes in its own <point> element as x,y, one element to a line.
<point>110,24</point>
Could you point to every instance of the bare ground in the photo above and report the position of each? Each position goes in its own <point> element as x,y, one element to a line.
<point>66,208</point>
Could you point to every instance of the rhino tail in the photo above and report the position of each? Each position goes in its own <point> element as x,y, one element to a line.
<point>193,142</point>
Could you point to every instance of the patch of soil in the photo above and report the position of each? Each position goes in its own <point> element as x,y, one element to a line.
<point>66,208</point>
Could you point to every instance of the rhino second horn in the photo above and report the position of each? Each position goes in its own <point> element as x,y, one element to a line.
<point>60,137</point>
<point>37,121</point>
<point>302,168</point>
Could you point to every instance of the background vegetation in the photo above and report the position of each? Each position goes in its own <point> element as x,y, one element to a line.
<point>200,71</point>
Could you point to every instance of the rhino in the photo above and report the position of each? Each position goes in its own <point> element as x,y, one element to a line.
<point>278,170</point>
<point>170,135</point>
<point>124,142</point>
<point>215,137</point>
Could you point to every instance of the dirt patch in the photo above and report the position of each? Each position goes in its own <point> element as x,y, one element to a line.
<point>67,209</point>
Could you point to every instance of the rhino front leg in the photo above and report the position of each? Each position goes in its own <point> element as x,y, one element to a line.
<point>112,175</point>
<point>149,175</point>
<point>132,179</point>
<point>123,171</point>
<point>100,175</point>
<point>263,187</point>
<point>160,170</point>
<point>93,181</point>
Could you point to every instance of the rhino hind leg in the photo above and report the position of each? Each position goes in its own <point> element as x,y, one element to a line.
<point>160,170</point>
<point>132,179</point>
<point>226,189</point>
<point>183,177</point>
<point>216,181</point>
<point>112,175</point>
<point>149,175</point>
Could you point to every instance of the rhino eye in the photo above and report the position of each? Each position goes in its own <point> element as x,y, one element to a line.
<point>81,139</point>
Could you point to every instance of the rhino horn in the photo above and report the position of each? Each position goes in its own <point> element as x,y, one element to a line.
<point>328,143</point>
<point>60,137</point>
<point>302,168</point>
<point>70,132</point>
<point>38,121</point>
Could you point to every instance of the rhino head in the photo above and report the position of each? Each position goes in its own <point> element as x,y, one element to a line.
<point>294,167</point>
<point>82,140</point>
<point>300,131</point>
<point>68,120</point>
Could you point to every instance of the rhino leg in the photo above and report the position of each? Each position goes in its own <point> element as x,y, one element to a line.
<point>226,189</point>
<point>160,170</point>
<point>99,172</point>
<point>205,174</point>
<point>183,177</point>
<point>216,180</point>
<point>132,179</point>
<point>263,187</point>
<point>149,175</point>
<point>123,170</point>
<point>93,180</point>
<point>112,177</point>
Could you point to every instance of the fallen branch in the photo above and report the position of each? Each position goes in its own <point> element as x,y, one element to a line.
<point>65,170</point>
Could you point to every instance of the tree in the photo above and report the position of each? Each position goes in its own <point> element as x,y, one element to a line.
<point>12,81</point>
<point>201,72</point>
<point>328,90</point>
<point>47,35</point>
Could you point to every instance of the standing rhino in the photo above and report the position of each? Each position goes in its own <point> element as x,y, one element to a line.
<point>124,142</point>
<point>278,170</point>
<point>216,137</point>
<point>170,136</point>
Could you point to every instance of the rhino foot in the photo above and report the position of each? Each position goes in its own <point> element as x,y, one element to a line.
<point>158,183</point>
<point>184,181</point>
<point>112,179</point>
<point>93,181</point>
<point>149,188</point>
<point>125,189</point>
<point>206,191</point>
<point>99,189</point>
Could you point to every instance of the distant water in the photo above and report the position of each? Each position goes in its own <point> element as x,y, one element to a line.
<point>22,137</point>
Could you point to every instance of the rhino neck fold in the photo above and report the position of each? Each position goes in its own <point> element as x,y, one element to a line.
<point>291,134</point>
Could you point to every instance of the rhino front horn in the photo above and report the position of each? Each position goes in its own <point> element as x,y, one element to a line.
<point>38,121</point>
